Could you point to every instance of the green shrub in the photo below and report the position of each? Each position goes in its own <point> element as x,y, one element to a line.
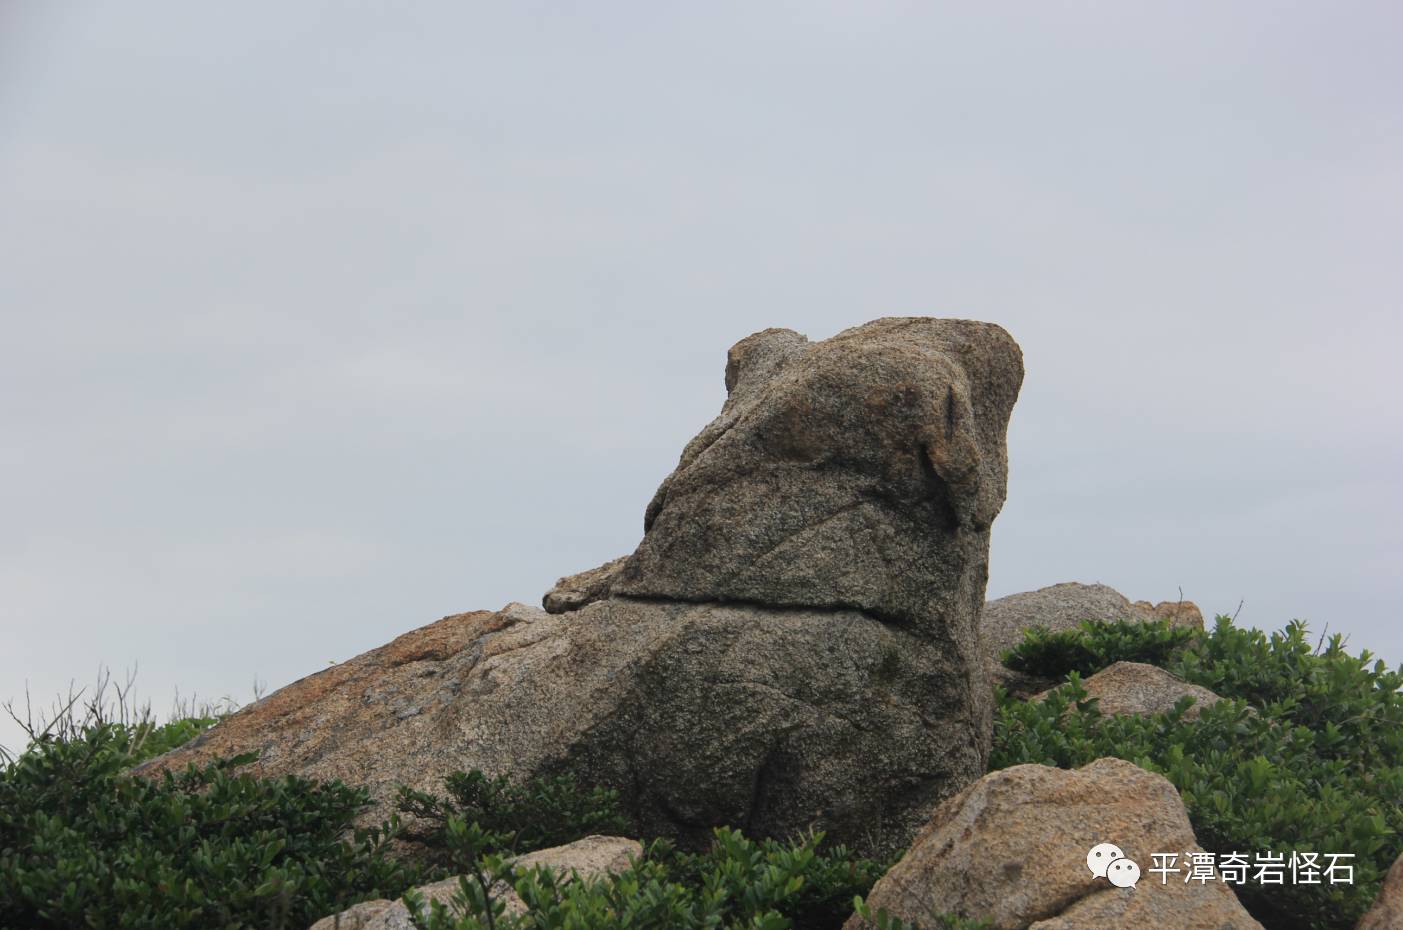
<point>831,876</point>
<point>536,814</point>
<point>83,844</point>
<point>1095,644</point>
<point>738,883</point>
<point>885,921</point>
<point>149,739</point>
<point>139,741</point>
<point>1318,767</point>
<point>106,702</point>
<point>1353,704</point>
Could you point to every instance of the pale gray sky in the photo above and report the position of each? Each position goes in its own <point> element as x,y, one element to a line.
<point>322,320</point>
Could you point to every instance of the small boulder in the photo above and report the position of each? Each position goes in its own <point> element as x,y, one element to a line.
<point>586,858</point>
<point>1387,912</point>
<point>1140,689</point>
<point>1057,608</point>
<point>1014,847</point>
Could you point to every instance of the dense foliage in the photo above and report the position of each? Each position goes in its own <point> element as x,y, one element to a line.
<point>738,883</point>
<point>147,739</point>
<point>1095,645</point>
<point>516,817</point>
<point>1315,764</point>
<point>83,844</point>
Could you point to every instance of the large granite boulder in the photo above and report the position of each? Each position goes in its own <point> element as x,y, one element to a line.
<point>1015,848</point>
<point>699,714</point>
<point>793,644</point>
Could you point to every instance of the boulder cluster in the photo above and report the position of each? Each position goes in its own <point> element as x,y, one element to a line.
<point>800,640</point>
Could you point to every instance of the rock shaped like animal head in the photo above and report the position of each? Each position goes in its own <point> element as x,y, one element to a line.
<point>861,472</point>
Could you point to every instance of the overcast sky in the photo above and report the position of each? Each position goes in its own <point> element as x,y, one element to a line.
<point>322,320</point>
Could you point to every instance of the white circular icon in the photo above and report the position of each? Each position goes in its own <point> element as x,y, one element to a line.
<point>1123,873</point>
<point>1101,856</point>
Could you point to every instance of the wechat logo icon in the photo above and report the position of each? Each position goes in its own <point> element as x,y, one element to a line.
<point>1108,861</point>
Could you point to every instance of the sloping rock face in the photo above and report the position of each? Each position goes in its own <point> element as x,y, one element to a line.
<point>793,645</point>
<point>1061,607</point>
<point>587,858</point>
<point>699,714</point>
<point>1135,688</point>
<point>1387,912</point>
<point>1013,849</point>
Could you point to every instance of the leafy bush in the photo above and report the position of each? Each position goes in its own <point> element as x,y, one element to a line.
<point>1353,704</point>
<point>1095,644</point>
<point>148,739</point>
<point>108,702</point>
<point>738,883</point>
<point>885,921</point>
<point>537,814</point>
<point>830,876</point>
<point>83,844</point>
<point>1317,767</point>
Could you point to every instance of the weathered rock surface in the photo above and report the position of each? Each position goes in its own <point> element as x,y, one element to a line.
<point>589,857</point>
<point>699,714</point>
<point>1141,689</point>
<point>861,472</point>
<point>1060,607</point>
<point>1387,912</point>
<point>1012,848</point>
<point>793,644</point>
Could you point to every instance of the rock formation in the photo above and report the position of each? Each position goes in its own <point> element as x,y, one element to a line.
<point>1140,689</point>
<point>862,472</point>
<point>1061,607</point>
<point>586,858</point>
<point>1013,849</point>
<point>1064,606</point>
<point>792,645</point>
